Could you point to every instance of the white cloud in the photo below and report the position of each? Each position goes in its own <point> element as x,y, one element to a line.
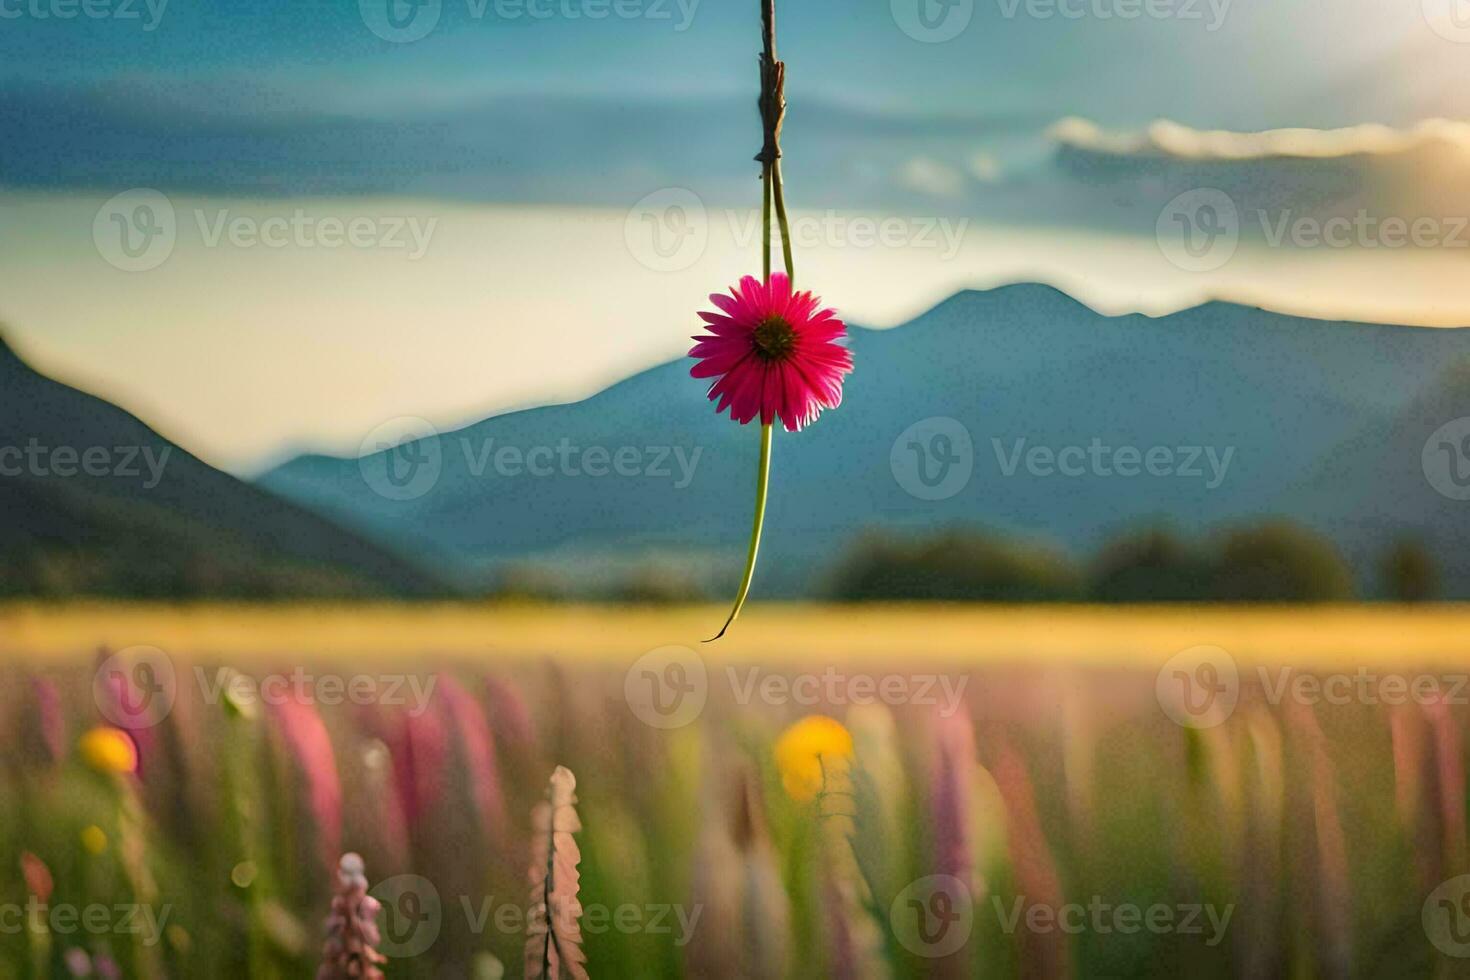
<point>929,176</point>
<point>984,167</point>
<point>1170,139</point>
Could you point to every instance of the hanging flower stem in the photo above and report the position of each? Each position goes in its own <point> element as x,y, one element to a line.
<point>780,197</point>
<point>773,114</point>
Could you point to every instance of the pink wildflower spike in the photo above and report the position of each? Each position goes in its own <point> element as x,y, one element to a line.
<point>351,949</point>
<point>773,354</point>
<point>477,751</point>
<point>310,747</point>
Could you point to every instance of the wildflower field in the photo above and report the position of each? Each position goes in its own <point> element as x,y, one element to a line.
<point>950,792</point>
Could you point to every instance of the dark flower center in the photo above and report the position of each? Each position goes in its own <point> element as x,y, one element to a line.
<point>774,338</point>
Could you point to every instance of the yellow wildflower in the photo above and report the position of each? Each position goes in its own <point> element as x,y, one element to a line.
<point>109,750</point>
<point>810,753</point>
<point>94,840</point>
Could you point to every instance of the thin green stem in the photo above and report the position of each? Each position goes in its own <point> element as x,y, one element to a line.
<point>766,223</point>
<point>771,192</point>
<point>780,196</point>
<point>762,481</point>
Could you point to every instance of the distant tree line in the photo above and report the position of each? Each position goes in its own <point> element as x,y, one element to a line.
<point>1273,561</point>
<point>58,574</point>
<point>1267,561</point>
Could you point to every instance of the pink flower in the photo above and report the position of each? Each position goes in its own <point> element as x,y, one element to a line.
<point>773,353</point>
<point>351,949</point>
<point>477,750</point>
<point>952,797</point>
<point>306,738</point>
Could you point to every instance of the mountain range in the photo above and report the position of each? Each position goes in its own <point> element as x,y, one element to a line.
<point>97,503</point>
<point>1026,411</point>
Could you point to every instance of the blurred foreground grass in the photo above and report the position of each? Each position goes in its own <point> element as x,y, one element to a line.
<point>1037,798</point>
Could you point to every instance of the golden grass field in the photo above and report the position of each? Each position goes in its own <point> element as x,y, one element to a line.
<point>1309,637</point>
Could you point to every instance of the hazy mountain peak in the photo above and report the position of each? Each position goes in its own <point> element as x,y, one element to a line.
<point>113,508</point>
<point>1005,371</point>
<point>8,357</point>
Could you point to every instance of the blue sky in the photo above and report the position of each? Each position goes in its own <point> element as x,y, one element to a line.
<point>532,143</point>
<point>290,98</point>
